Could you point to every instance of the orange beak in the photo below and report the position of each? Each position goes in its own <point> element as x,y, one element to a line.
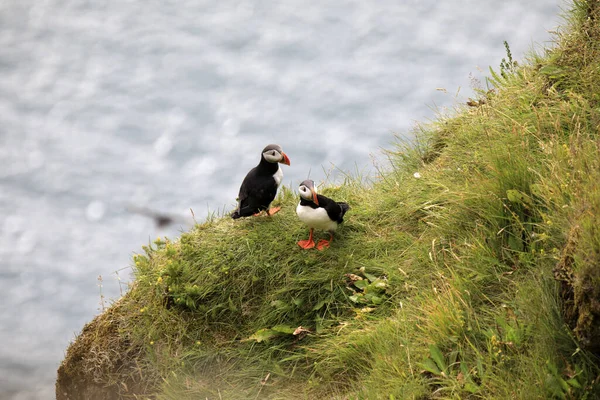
<point>315,199</point>
<point>285,160</point>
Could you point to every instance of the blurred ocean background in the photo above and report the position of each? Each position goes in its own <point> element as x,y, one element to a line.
<point>167,104</point>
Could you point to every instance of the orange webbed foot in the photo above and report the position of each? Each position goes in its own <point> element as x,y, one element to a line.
<point>306,244</point>
<point>273,210</point>
<point>309,243</point>
<point>322,244</point>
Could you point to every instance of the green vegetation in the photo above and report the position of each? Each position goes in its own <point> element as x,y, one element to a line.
<point>478,277</point>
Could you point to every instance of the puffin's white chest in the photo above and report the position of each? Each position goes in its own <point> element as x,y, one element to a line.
<point>278,176</point>
<point>316,218</point>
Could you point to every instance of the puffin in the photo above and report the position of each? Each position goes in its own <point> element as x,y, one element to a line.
<point>260,186</point>
<point>318,212</point>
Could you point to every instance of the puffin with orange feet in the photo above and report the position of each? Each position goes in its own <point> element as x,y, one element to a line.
<point>259,187</point>
<point>318,212</point>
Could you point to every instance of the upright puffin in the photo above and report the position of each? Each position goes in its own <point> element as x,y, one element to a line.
<point>318,212</point>
<point>259,187</point>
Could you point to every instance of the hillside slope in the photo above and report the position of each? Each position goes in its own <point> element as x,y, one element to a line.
<point>469,269</point>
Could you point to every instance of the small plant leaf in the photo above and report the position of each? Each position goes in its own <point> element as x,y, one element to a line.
<point>319,305</point>
<point>361,284</point>
<point>319,326</point>
<point>452,357</point>
<point>563,384</point>
<point>514,196</point>
<point>552,71</point>
<point>437,356</point>
<point>480,370</point>
<point>374,299</point>
<point>355,298</point>
<point>574,383</point>
<point>231,305</point>
<point>471,387</point>
<point>284,329</point>
<point>379,284</point>
<point>429,365</point>
<point>279,304</point>
<point>298,302</point>
<point>264,335</point>
<point>370,277</point>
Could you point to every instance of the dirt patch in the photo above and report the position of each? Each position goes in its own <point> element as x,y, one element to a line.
<point>101,363</point>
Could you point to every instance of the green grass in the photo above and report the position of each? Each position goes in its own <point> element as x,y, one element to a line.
<point>479,279</point>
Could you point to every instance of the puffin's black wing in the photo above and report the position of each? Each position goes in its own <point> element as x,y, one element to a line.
<point>335,210</point>
<point>256,194</point>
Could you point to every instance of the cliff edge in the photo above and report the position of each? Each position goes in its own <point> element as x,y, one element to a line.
<point>470,268</point>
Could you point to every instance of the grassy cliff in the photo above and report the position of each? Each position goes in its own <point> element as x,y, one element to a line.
<point>470,268</point>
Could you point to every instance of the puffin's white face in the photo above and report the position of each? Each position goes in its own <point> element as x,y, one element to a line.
<point>273,156</point>
<point>308,191</point>
<point>305,192</point>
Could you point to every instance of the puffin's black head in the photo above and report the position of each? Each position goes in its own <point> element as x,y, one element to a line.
<point>274,154</point>
<point>308,191</point>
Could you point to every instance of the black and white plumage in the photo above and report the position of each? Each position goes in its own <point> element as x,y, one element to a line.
<point>318,212</point>
<point>259,187</point>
